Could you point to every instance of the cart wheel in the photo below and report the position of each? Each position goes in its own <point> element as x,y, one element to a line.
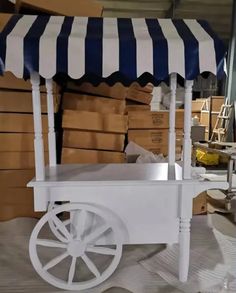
<point>54,228</point>
<point>73,266</point>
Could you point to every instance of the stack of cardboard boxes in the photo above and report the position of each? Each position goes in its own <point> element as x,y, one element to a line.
<point>17,144</point>
<point>209,112</point>
<point>149,129</point>
<point>94,127</point>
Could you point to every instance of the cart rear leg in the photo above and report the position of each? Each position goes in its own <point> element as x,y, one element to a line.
<point>184,249</point>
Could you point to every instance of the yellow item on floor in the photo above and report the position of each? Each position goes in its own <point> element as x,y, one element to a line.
<point>207,158</point>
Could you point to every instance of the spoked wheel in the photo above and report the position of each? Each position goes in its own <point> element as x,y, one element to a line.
<point>71,263</point>
<point>54,228</point>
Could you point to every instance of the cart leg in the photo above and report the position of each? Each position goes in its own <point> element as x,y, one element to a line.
<point>184,249</point>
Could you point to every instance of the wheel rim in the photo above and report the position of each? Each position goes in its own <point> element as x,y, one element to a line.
<point>76,247</point>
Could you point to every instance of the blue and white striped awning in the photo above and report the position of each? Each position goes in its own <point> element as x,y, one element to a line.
<point>113,49</point>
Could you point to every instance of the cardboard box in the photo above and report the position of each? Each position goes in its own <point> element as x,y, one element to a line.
<point>21,102</point>
<point>15,178</point>
<point>18,160</point>
<point>80,102</point>
<point>139,96</point>
<point>153,138</point>
<point>154,120</point>
<point>17,202</point>
<point>4,18</point>
<point>147,89</point>
<point>62,7</point>
<point>93,140</point>
<point>197,105</point>
<point>79,156</point>
<point>21,142</point>
<point>117,91</point>
<point>216,103</point>
<point>208,119</point>
<point>11,122</point>
<point>200,204</point>
<point>9,81</point>
<point>94,121</point>
<point>139,108</point>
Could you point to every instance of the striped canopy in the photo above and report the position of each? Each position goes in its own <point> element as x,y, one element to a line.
<point>110,49</point>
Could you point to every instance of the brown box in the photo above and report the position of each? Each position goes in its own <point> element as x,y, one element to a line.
<point>15,178</point>
<point>200,204</point>
<point>4,18</point>
<point>80,102</point>
<point>94,121</point>
<point>62,7</point>
<point>139,96</point>
<point>22,142</point>
<point>18,160</point>
<point>198,114</point>
<point>93,140</point>
<point>153,120</point>
<point>117,91</point>
<point>139,108</point>
<point>17,202</point>
<point>208,119</point>
<point>197,105</point>
<point>79,156</point>
<point>21,102</point>
<point>216,103</point>
<point>11,122</point>
<point>9,81</point>
<point>153,138</point>
<point>147,89</point>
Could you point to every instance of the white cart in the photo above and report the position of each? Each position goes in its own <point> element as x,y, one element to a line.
<point>105,206</point>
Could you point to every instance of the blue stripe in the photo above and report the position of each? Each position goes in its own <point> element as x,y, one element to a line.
<point>31,45</point>
<point>127,48</point>
<point>220,49</point>
<point>191,49</point>
<point>160,50</point>
<point>93,46</point>
<point>3,39</point>
<point>62,45</point>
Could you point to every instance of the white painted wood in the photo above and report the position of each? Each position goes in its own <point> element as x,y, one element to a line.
<point>76,248</point>
<point>187,145</point>
<point>38,140</point>
<point>51,124</point>
<point>41,199</point>
<point>184,249</point>
<point>172,134</point>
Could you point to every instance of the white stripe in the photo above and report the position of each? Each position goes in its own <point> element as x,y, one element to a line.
<point>76,47</point>
<point>15,46</point>
<point>207,58</point>
<point>48,47</point>
<point>144,47</point>
<point>176,58</point>
<point>110,54</point>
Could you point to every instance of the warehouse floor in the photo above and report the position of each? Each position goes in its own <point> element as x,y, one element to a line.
<point>143,268</point>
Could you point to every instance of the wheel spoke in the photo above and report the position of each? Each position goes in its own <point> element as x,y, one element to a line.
<point>50,243</point>
<point>72,270</point>
<point>96,234</point>
<point>61,227</point>
<point>79,220</point>
<point>91,265</point>
<point>101,250</point>
<point>55,261</point>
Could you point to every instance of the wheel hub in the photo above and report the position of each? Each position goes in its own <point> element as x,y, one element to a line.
<point>76,248</point>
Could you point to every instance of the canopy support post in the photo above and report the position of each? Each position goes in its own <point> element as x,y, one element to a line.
<point>187,146</point>
<point>38,138</point>
<point>51,124</point>
<point>172,134</point>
